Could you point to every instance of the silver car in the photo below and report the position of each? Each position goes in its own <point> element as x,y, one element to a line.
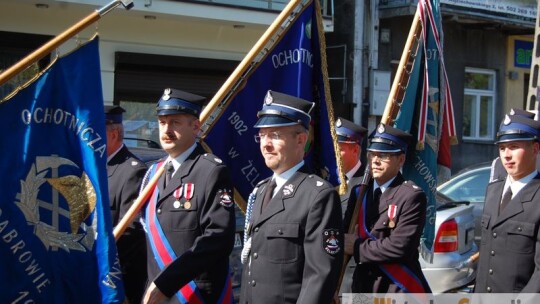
<point>470,185</point>
<point>449,267</point>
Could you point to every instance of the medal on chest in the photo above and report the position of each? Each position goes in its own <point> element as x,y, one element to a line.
<point>392,210</point>
<point>189,189</point>
<point>177,194</point>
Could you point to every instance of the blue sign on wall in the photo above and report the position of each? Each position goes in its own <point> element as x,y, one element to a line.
<point>523,54</point>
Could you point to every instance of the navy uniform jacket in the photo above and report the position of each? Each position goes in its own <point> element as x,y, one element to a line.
<point>202,235</point>
<point>397,245</point>
<point>351,183</point>
<point>510,247</point>
<point>293,258</point>
<point>126,173</point>
<point>355,180</point>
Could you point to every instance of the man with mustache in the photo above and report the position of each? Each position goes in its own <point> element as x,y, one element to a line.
<point>189,218</point>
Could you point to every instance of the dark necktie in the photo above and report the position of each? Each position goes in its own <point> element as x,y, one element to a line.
<point>507,196</point>
<point>169,173</point>
<point>377,197</point>
<point>268,193</point>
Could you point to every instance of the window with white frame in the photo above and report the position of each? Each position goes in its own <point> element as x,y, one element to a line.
<point>479,104</point>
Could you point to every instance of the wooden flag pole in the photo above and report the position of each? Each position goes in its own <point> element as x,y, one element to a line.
<point>137,205</point>
<point>393,104</point>
<point>232,81</point>
<point>54,43</point>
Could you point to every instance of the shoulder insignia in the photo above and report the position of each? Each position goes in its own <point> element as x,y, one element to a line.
<point>225,197</point>
<point>134,163</point>
<point>288,189</point>
<point>331,242</point>
<point>319,183</point>
<point>219,161</point>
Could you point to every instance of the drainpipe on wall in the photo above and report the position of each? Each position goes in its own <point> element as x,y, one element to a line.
<point>358,61</point>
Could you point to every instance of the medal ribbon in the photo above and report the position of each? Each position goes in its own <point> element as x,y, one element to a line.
<point>164,254</point>
<point>392,210</point>
<point>400,274</point>
<point>178,193</point>
<point>188,191</point>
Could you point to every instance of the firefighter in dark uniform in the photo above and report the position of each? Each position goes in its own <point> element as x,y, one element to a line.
<point>390,222</point>
<point>350,136</point>
<point>509,250</point>
<point>189,219</point>
<point>497,168</point>
<point>125,172</point>
<point>293,253</point>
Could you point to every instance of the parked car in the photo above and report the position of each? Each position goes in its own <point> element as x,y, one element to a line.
<point>470,185</point>
<point>447,267</point>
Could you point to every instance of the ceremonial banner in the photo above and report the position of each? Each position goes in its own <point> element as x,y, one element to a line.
<point>426,110</point>
<point>55,223</point>
<point>294,64</point>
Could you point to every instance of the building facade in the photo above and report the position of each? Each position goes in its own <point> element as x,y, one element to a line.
<point>487,51</point>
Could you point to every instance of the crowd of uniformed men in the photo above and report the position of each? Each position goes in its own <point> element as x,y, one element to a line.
<point>298,228</point>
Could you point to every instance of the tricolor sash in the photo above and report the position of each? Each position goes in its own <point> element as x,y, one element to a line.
<point>164,254</point>
<point>400,274</point>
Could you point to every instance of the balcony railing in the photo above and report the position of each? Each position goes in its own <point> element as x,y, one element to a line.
<point>327,6</point>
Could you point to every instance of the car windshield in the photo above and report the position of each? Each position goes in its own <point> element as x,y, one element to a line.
<point>470,186</point>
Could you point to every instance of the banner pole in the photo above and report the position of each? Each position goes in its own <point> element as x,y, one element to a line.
<point>137,205</point>
<point>48,47</point>
<point>244,64</point>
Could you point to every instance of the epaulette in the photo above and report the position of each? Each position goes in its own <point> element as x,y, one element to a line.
<point>212,158</point>
<point>412,185</point>
<point>318,182</point>
<point>263,181</point>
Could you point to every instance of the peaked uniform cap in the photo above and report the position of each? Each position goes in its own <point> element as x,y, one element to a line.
<point>113,114</point>
<point>349,132</point>
<point>517,127</point>
<point>179,102</point>
<point>281,110</point>
<point>389,139</point>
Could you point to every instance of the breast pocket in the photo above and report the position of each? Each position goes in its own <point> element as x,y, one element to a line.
<point>520,236</point>
<point>283,242</point>
<point>183,216</point>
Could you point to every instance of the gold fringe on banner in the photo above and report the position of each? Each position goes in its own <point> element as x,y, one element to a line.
<point>328,98</point>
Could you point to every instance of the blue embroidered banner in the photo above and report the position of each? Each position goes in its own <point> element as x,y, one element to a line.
<point>293,65</point>
<point>55,224</point>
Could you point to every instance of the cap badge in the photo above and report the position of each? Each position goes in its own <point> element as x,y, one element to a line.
<point>507,120</point>
<point>166,94</point>
<point>380,128</point>
<point>338,123</point>
<point>268,99</point>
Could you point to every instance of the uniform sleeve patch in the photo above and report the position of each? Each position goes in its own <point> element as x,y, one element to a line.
<point>331,241</point>
<point>225,198</point>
